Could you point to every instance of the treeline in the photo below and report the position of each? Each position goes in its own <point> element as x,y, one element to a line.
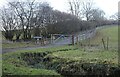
<point>69,27</point>
<point>24,20</point>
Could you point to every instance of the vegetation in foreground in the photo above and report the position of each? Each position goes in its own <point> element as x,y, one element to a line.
<point>64,60</point>
<point>40,19</point>
<point>18,44</point>
<point>57,61</point>
<point>107,33</point>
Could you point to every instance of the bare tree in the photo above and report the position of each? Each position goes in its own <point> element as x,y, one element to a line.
<point>87,9</point>
<point>97,15</point>
<point>19,11</point>
<point>9,23</point>
<point>24,10</point>
<point>42,17</point>
<point>75,7</point>
<point>115,16</point>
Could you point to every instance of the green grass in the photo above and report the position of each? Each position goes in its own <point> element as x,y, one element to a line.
<point>17,45</point>
<point>112,33</point>
<point>111,56</point>
<point>15,66</point>
<point>12,64</point>
<point>104,33</point>
<point>10,69</point>
<point>100,54</point>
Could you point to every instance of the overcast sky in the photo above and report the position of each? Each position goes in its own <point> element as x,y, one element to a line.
<point>108,6</point>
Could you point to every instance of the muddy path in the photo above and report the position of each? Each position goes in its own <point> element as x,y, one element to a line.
<point>6,50</point>
<point>67,40</point>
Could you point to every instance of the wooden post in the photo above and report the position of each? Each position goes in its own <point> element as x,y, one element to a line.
<point>51,38</point>
<point>89,43</point>
<point>43,41</point>
<point>107,43</point>
<point>103,43</point>
<point>72,39</point>
<point>77,40</point>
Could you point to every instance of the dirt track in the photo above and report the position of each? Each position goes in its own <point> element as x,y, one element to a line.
<point>65,41</point>
<point>6,50</point>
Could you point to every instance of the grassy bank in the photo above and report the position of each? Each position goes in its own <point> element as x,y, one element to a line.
<point>21,63</point>
<point>65,60</point>
<point>17,45</point>
<point>107,33</point>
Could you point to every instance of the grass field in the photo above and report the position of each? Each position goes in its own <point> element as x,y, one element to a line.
<point>84,55</point>
<point>64,58</point>
<point>101,54</point>
<point>106,32</point>
<point>17,45</point>
<point>9,44</point>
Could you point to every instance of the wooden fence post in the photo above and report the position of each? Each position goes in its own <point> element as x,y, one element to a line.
<point>77,40</point>
<point>89,43</point>
<point>51,38</point>
<point>72,39</point>
<point>103,43</point>
<point>107,43</point>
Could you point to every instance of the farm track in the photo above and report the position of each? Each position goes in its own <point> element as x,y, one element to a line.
<point>65,41</point>
<point>6,50</point>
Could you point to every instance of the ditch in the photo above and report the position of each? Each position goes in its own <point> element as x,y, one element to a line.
<point>66,67</point>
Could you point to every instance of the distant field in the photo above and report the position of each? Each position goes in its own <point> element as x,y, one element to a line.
<point>112,33</point>
<point>100,54</point>
<point>58,60</point>
<point>17,45</point>
<point>9,44</point>
<point>104,33</point>
<point>111,56</point>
